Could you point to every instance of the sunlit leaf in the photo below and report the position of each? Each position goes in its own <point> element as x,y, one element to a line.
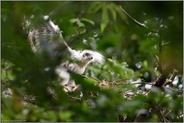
<point>87,20</point>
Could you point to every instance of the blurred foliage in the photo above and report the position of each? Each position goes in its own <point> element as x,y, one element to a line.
<point>131,52</point>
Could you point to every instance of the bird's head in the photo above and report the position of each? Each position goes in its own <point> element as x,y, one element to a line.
<point>86,56</point>
<point>92,56</point>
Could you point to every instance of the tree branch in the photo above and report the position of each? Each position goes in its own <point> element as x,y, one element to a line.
<point>134,20</point>
<point>137,22</point>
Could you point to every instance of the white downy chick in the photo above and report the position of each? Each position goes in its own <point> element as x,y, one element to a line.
<point>82,58</point>
<point>49,38</point>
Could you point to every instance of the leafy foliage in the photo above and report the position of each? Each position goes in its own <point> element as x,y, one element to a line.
<point>110,91</point>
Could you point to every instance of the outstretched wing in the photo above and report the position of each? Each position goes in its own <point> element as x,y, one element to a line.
<point>48,38</point>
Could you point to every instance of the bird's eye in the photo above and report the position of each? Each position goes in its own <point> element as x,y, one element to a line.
<point>86,54</point>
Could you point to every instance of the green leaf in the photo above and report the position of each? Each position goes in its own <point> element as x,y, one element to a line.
<point>105,18</point>
<point>122,15</point>
<point>88,20</point>
<point>102,26</point>
<point>125,73</point>
<point>145,63</point>
<point>51,116</point>
<point>80,24</point>
<point>154,118</point>
<point>77,21</point>
<point>65,116</point>
<point>74,20</point>
<point>112,9</point>
<point>87,83</point>
<point>95,7</point>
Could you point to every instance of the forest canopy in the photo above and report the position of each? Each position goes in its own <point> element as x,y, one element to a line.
<point>141,79</point>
